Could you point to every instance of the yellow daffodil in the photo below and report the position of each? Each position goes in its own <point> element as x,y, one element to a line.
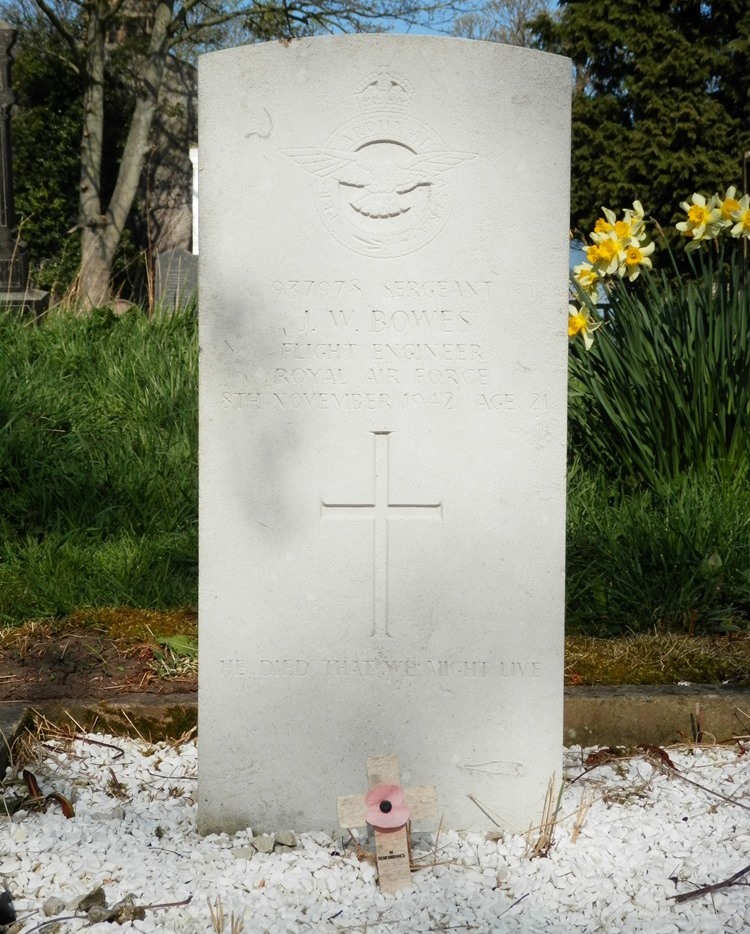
<point>587,278</point>
<point>742,216</point>
<point>636,257</point>
<point>703,220</point>
<point>623,230</point>
<point>631,225</point>
<point>592,254</point>
<point>611,239</point>
<point>581,322</point>
<point>606,227</point>
<point>728,206</point>
<point>605,254</point>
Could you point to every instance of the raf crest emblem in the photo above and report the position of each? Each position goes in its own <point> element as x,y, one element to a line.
<point>383,177</point>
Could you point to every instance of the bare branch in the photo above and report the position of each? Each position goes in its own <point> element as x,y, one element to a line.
<point>62,29</point>
<point>708,889</point>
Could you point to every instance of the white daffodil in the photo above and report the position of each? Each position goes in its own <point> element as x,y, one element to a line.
<point>702,220</point>
<point>728,206</point>
<point>587,278</point>
<point>742,216</point>
<point>581,322</point>
<point>636,258</point>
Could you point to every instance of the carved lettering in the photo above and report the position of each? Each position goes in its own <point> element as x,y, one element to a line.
<point>327,352</point>
<point>344,401</point>
<point>434,400</point>
<point>520,669</point>
<point>379,376</point>
<point>299,375</point>
<point>437,288</point>
<point>445,353</point>
<point>283,668</point>
<point>431,668</point>
<point>504,401</point>
<point>341,317</point>
<point>241,400</point>
<point>306,289</point>
<point>458,669</point>
<point>386,669</point>
<point>443,320</point>
<point>232,667</point>
<point>452,376</point>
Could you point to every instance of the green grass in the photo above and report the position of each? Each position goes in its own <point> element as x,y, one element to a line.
<point>98,463</point>
<point>675,558</point>
<point>99,506</point>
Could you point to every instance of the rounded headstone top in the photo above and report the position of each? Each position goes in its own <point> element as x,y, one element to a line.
<point>7,34</point>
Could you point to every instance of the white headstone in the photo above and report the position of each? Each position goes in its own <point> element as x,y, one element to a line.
<point>383,308</point>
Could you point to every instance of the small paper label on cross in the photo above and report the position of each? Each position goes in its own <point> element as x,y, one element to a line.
<point>381,511</point>
<point>392,850</point>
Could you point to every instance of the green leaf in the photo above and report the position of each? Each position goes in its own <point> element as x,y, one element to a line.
<point>180,645</point>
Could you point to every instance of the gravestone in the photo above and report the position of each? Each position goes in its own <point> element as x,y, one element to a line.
<point>15,291</point>
<point>384,269</point>
<point>176,278</point>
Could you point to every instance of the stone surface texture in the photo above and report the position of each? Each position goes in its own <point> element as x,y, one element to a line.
<point>383,306</point>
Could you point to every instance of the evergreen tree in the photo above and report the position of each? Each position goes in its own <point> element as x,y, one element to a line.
<point>661,104</point>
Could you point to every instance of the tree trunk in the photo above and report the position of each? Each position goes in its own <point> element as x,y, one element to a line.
<point>101,232</point>
<point>93,279</point>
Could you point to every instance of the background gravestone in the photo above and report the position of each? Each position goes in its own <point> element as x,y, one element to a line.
<point>14,266</point>
<point>384,269</point>
<point>176,279</point>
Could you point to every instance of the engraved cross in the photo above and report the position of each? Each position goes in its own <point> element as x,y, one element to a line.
<point>381,511</point>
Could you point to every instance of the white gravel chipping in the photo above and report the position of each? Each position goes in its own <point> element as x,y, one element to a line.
<point>646,836</point>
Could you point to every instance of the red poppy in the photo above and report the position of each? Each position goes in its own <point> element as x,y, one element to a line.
<point>386,809</point>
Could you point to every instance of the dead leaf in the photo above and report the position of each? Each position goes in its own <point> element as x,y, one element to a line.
<point>32,784</point>
<point>65,806</point>
<point>658,753</point>
<point>601,756</point>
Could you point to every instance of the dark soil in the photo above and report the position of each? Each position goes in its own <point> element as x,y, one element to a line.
<point>66,660</point>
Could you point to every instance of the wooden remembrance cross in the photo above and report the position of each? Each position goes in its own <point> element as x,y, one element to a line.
<point>381,510</point>
<point>392,850</point>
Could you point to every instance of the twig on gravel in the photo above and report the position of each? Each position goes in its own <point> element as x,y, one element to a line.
<point>82,917</point>
<point>662,761</point>
<point>97,742</point>
<point>185,901</point>
<point>707,889</point>
<point>49,921</point>
<point>83,738</point>
<point>710,791</point>
<point>487,813</point>
<point>513,904</point>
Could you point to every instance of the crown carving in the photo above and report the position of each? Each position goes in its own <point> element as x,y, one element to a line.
<point>383,91</point>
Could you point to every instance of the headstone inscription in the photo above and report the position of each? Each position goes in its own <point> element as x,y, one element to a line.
<point>384,261</point>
